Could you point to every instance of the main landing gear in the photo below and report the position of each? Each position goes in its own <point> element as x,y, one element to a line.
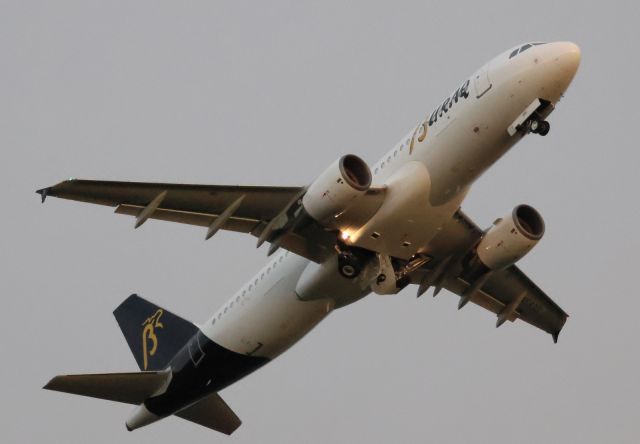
<point>349,263</point>
<point>537,126</point>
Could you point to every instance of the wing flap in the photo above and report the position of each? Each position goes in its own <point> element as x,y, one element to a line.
<point>502,293</point>
<point>503,289</point>
<point>536,308</point>
<point>238,224</point>
<point>201,205</point>
<point>480,297</point>
<point>261,203</point>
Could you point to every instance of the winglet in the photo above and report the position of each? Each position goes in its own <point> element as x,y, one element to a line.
<point>43,192</point>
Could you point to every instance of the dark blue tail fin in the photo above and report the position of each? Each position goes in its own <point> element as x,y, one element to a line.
<point>154,335</point>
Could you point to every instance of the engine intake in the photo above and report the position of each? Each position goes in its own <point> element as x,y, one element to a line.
<point>337,188</point>
<point>511,237</point>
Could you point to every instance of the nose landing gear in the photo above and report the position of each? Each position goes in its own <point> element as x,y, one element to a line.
<point>538,126</point>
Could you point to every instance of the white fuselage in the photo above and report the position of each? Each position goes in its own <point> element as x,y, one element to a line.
<point>426,176</point>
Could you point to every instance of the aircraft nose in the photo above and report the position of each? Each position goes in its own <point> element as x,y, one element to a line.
<point>558,63</point>
<point>568,56</point>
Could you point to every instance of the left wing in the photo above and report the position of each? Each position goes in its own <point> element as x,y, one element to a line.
<point>511,295</point>
<point>508,293</point>
<point>265,212</point>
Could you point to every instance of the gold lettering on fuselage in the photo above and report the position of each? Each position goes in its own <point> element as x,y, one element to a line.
<point>149,334</point>
<point>421,132</point>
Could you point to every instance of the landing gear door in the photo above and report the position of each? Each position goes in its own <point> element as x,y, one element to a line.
<point>385,281</point>
<point>481,81</point>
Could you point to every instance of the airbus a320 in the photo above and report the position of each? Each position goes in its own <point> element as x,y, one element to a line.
<point>354,230</point>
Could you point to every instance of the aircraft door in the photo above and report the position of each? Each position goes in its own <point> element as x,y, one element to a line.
<point>196,352</point>
<point>481,81</point>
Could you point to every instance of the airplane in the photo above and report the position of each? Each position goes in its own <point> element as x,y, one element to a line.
<point>352,231</point>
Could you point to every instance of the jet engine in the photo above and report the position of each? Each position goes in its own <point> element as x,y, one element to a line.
<point>335,190</point>
<point>511,237</point>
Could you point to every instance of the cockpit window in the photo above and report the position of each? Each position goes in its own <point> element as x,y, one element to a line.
<point>524,48</point>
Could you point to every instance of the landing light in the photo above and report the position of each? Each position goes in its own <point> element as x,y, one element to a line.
<point>345,235</point>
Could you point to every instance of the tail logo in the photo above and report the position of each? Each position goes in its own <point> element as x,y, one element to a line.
<point>149,335</point>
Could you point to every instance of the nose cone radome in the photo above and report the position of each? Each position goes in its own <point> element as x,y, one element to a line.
<point>559,62</point>
<point>568,57</point>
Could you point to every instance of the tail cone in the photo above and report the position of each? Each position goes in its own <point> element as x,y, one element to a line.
<point>140,417</point>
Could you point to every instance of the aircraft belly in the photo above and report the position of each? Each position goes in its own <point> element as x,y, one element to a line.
<point>270,317</point>
<point>465,144</point>
<point>406,221</point>
<point>322,281</point>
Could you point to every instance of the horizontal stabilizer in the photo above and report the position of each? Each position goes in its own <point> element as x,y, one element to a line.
<point>130,388</point>
<point>212,412</point>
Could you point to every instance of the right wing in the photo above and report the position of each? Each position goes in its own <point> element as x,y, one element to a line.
<point>269,213</point>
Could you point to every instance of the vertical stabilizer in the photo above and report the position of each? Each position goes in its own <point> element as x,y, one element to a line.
<point>154,334</point>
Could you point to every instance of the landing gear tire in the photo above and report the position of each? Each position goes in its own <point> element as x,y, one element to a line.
<point>349,265</point>
<point>534,126</point>
<point>544,128</point>
<point>539,127</point>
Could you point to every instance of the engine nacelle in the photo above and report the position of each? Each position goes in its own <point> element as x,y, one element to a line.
<point>335,190</point>
<point>511,237</point>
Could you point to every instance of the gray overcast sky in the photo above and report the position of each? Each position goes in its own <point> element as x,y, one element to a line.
<point>270,94</point>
